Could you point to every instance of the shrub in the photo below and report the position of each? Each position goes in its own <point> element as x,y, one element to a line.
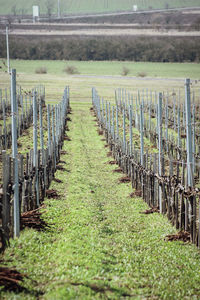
<point>142,74</point>
<point>41,70</point>
<point>125,71</point>
<point>71,70</point>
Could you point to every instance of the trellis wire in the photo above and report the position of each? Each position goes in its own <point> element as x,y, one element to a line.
<point>160,187</point>
<point>26,179</point>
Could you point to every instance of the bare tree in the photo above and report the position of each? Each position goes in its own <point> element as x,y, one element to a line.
<point>14,10</point>
<point>49,6</point>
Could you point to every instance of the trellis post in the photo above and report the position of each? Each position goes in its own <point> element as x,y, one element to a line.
<point>15,153</point>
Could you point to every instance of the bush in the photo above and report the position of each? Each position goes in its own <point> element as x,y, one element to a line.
<point>125,71</point>
<point>71,70</point>
<point>142,74</point>
<point>41,70</point>
<point>160,49</point>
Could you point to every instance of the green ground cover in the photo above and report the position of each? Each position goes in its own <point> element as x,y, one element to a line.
<point>95,6</point>
<point>114,68</point>
<point>99,245</point>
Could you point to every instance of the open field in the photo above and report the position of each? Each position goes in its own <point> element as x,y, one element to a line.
<point>107,32</point>
<point>84,6</point>
<point>105,76</point>
<point>164,70</point>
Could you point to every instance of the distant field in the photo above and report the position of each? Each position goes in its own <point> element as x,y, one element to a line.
<point>84,6</point>
<point>105,76</point>
<point>166,70</point>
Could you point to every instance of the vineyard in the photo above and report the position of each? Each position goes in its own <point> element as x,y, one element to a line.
<point>99,195</point>
<point>26,177</point>
<point>155,140</point>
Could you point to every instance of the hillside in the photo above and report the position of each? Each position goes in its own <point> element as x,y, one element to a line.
<point>23,7</point>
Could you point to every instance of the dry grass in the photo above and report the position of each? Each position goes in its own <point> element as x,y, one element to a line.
<point>71,70</point>
<point>41,70</point>
<point>142,74</point>
<point>125,71</point>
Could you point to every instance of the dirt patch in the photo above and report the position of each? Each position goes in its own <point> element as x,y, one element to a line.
<point>106,145</point>
<point>52,194</point>
<point>60,167</point>
<point>124,179</point>
<point>183,236</point>
<point>32,219</point>
<point>118,170</point>
<point>62,162</point>
<point>103,140</point>
<point>66,138</point>
<point>57,180</point>
<point>63,152</point>
<point>69,112</point>
<point>109,154</point>
<point>151,211</point>
<point>10,279</point>
<point>100,289</point>
<point>112,162</point>
<point>105,32</point>
<point>100,132</point>
<point>137,193</point>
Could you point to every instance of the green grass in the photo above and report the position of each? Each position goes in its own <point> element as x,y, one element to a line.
<point>99,246</point>
<point>84,6</point>
<point>160,77</point>
<point>114,68</point>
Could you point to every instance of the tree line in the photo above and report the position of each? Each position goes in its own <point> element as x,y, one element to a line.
<point>152,49</point>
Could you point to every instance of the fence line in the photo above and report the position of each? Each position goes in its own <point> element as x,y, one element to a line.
<point>34,171</point>
<point>164,186</point>
<point>24,111</point>
<point>174,148</point>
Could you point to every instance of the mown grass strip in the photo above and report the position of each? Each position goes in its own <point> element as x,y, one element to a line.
<point>99,245</point>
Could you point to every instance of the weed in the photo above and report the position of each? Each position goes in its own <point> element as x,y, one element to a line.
<point>41,70</point>
<point>71,70</point>
<point>125,71</point>
<point>141,74</point>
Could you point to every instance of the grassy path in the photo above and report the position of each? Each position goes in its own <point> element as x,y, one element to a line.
<point>99,245</point>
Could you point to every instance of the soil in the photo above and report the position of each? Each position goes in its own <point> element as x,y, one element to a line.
<point>60,167</point>
<point>119,170</point>
<point>180,236</point>
<point>52,194</point>
<point>124,180</point>
<point>151,211</point>
<point>109,154</point>
<point>137,193</point>
<point>112,162</point>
